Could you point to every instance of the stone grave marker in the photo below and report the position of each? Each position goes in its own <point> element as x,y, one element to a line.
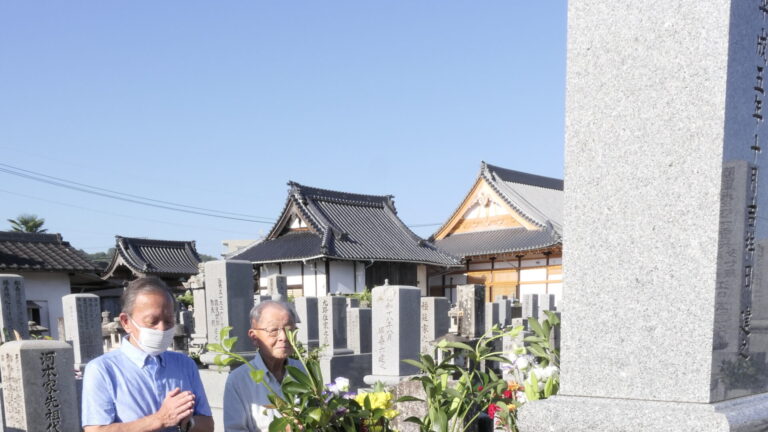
<point>359,330</point>
<point>332,316</point>
<point>395,316</point>
<point>546,303</point>
<point>505,311</point>
<point>530,305</point>
<point>306,309</point>
<point>471,301</point>
<point>82,327</point>
<point>277,287</point>
<point>13,307</point>
<point>491,315</point>
<point>434,321</point>
<point>39,386</point>
<point>665,143</point>
<point>229,299</point>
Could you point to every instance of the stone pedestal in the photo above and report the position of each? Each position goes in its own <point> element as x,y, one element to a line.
<point>38,386</point>
<point>664,120</point>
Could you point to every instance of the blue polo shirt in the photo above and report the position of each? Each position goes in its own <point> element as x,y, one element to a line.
<point>127,384</point>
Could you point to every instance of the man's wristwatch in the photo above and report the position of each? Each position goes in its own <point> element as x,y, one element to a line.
<point>188,427</point>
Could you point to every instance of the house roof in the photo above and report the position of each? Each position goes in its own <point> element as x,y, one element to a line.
<point>145,257</point>
<point>537,199</point>
<point>40,252</point>
<point>342,225</point>
<point>498,241</point>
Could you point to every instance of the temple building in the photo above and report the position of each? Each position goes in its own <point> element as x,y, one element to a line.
<point>508,233</point>
<point>170,260</point>
<point>328,242</point>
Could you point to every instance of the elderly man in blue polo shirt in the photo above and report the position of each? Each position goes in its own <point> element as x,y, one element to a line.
<point>142,386</point>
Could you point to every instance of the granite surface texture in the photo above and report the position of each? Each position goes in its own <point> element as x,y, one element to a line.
<point>645,119</point>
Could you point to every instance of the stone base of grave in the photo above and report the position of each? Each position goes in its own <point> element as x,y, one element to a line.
<point>351,366</point>
<point>582,414</point>
<point>213,381</point>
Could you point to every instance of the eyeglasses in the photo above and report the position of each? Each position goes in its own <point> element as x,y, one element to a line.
<point>273,332</point>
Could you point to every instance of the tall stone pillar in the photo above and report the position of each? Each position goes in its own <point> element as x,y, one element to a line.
<point>664,132</point>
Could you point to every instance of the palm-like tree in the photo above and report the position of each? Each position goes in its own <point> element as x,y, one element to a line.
<point>28,223</point>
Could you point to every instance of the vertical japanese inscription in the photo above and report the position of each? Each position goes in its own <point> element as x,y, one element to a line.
<point>50,383</point>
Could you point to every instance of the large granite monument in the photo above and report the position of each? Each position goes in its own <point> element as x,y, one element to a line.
<point>664,138</point>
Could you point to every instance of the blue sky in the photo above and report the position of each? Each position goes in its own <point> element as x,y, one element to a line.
<point>219,104</point>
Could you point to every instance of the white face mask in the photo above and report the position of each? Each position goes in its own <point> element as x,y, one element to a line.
<point>154,342</point>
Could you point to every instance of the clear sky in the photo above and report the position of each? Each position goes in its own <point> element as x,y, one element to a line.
<point>218,105</point>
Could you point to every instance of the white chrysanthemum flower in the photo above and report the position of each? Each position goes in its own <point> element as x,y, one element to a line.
<point>522,363</point>
<point>342,384</point>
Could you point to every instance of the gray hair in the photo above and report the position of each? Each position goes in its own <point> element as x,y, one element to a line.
<point>257,310</point>
<point>144,285</point>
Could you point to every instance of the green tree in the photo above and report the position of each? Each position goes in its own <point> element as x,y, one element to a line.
<point>28,223</point>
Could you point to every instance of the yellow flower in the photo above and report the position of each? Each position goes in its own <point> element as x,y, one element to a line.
<point>376,399</point>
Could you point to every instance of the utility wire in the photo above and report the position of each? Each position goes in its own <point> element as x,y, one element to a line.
<point>55,181</point>
<point>132,217</point>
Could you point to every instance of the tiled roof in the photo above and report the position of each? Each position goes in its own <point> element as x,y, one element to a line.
<point>498,241</point>
<point>346,226</point>
<point>40,252</point>
<point>290,246</point>
<point>537,198</point>
<point>163,258</point>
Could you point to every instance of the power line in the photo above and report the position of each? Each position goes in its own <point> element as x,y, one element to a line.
<point>132,217</point>
<point>136,199</point>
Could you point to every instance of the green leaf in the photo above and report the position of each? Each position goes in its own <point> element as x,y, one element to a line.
<point>229,342</point>
<point>533,323</point>
<point>279,424</point>
<point>416,420</point>
<point>459,345</point>
<point>224,332</point>
<point>415,363</point>
<point>548,387</point>
<point>257,375</point>
<point>316,414</point>
<point>407,398</point>
<point>294,387</point>
<point>214,347</point>
<point>532,387</point>
<point>315,373</point>
<point>299,375</point>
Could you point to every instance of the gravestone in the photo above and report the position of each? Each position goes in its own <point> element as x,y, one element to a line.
<point>505,311</point>
<point>82,327</point>
<point>306,309</point>
<point>530,305</point>
<point>332,318</point>
<point>359,330</point>
<point>277,287</point>
<point>546,303</point>
<point>258,298</point>
<point>491,315</point>
<point>395,316</point>
<point>13,307</point>
<point>196,284</point>
<point>434,321</point>
<point>39,386</point>
<point>664,139</point>
<point>353,302</point>
<point>471,301</point>
<point>229,299</point>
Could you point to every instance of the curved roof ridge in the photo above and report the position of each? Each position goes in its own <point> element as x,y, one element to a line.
<point>344,197</point>
<point>514,176</point>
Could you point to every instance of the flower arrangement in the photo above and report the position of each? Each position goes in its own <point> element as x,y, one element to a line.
<point>307,404</point>
<point>528,373</point>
